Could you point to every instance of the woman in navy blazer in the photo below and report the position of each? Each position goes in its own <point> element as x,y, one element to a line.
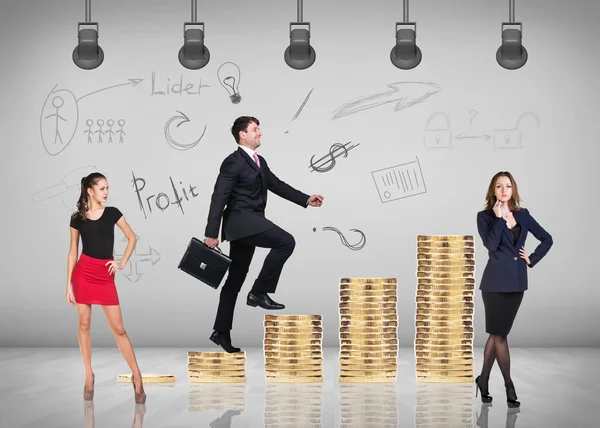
<point>503,228</point>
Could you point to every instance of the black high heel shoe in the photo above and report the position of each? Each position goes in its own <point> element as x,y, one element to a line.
<point>485,398</point>
<point>511,403</point>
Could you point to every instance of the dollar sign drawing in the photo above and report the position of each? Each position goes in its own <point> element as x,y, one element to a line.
<point>355,247</point>
<point>330,164</point>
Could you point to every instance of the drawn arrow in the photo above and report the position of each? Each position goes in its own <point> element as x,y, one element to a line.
<point>132,82</point>
<point>170,139</point>
<point>153,256</point>
<point>133,273</point>
<point>472,137</point>
<point>404,94</point>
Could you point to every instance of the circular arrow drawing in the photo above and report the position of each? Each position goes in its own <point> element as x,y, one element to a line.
<point>172,141</point>
<point>355,247</point>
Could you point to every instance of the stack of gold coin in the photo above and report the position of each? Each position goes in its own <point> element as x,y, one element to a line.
<point>368,405</point>
<point>216,367</point>
<point>368,330</point>
<point>444,316</point>
<point>293,348</point>
<point>443,405</point>
<point>216,396</point>
<point>293,405</point>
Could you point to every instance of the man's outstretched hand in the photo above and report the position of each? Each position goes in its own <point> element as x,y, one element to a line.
<point>315,200</point>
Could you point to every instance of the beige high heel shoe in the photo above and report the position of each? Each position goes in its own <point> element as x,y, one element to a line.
<point>139,398</point>
<point>89,395</point>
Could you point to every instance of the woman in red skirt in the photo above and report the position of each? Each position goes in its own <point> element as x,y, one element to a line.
<point>91,279</point>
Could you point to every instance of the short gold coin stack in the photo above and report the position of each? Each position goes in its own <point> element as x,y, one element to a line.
<point>444,315</point>
<point>216,367</point>
<point>293,348</point>
<point>368,330</point>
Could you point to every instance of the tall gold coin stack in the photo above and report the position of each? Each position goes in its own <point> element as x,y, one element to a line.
<point>216,367</point>
<point>444,316</point>
<point>368,330</point>
<point>293,405</point>
<point>368,405</point>
<point>444,405</point>
<point>293,348</point>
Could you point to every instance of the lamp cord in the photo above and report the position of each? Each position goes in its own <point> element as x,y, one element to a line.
<point>194,10</point>
<point>88,10</point>
<point>511,10</point>
<point>300,11</point>
<point>405,15</point>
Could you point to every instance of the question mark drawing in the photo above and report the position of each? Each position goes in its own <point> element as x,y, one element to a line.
<point>355,247</point>
<point>473,114</point>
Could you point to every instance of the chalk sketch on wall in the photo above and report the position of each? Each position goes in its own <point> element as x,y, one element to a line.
<point>437,131</point>
<point>229,77</point>
<point>100,130</point>
<point>403,94</point>
<point>327,162</point>
<point>399,181</point>
<point>512,138</point>
<point>354,247</point>
<point>161,200</point>
<point>68,189</point>
<point>300,109</point>
<point>175,88</point>
<point>172,142</point>
<point>60,117</point>
<point>132,270</point>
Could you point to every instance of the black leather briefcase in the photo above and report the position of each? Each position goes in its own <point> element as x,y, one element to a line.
<point>209,265</point>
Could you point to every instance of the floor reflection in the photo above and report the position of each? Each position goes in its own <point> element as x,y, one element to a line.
<point>365,405</point>
<point>293,405</point>
<point>443,405</point>
<point>138,415</point>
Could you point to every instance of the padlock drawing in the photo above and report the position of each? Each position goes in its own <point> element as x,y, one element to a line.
<point>511,138</point>
<point>440,136</point>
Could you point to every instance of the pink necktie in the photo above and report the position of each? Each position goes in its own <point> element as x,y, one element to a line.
<point>256,159</point>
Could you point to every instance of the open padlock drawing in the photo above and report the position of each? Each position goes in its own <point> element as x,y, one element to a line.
<point>438,137</point>
<point>511,138</point>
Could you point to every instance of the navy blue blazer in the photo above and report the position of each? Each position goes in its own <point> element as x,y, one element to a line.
<point>506,271</point>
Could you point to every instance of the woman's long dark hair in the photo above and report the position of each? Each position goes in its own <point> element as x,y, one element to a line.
<point>86,183</point>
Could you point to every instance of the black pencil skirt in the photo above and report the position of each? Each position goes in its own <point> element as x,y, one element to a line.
<point>500,311</point>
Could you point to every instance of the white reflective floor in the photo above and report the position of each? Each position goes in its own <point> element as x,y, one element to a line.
<point>43,388</point>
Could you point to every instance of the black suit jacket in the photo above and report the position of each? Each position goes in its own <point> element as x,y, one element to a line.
<point>506,271</point>
<point>240,197</point>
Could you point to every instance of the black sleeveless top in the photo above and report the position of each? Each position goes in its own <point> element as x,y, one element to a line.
<point>516,232</point>
<point>98,236</point>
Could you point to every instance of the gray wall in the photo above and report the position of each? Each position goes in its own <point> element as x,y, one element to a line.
<point>555,166</point>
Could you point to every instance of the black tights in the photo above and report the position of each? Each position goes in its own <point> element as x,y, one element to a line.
<point>496,348</point>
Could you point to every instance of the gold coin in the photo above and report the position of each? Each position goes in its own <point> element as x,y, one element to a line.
<point>217,379</point>
<point>369,287</point>
<point>213,361</point>
<point>305,336</point>
<point>444,355</point>
<point>368,323</point>
<point>294,379</point>
<point>445,305</point>
<point>368,355</point>
<point>444,275</point>
<point>368,367</point>
<point>430,311</point>
<point>294,323</point>
<point>368,280</point>
<point>367,379</point>
<point>291,348</point>
<point>292,342</point>
<point>446,281</point>
<point>443,342</point>
<point>213,373</point>
<point>444,237</point>
<point>374,293</point>
<point>446,379</point>
<point>449,367</point>
<point>365,342</point>
<point>448,263</point>
<point>294,330</point>
<point>293,317</point>
<point>362,312</point>
<point>149,378</point>
<point>363,317</point>
<point>458,298</point>
<point>293,354</point>
<point>216,367</point>
<point>443,348</point>
<point>367,348</point>
<point>446,317</point>
<point>368,299</point>
<point>192,354</point>
<point>368,330</point>
<point>293,361</point>
<point>447,330</point>
<point>444,323</point>
<point>446,256</point>
<point>293,367</point>
<point>455,270</point>
<point>357,373</point>
<point>445,361</point>
<point>292,373</point>
<point>367,336</point>
<point>445,244</point>
<point>444,336</point>
<point>446,372</point>
<point>368,305</point>
<point>367,361</point>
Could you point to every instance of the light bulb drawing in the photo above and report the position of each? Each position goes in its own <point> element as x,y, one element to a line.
<point>229,77</point>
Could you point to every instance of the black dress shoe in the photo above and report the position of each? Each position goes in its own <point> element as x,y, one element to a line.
<point>224,341</point>
<point>263,300</point>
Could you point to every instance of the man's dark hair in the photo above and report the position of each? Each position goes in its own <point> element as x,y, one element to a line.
<point>241,124</point>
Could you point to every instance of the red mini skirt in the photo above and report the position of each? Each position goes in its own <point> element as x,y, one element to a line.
<point>92,284</point>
